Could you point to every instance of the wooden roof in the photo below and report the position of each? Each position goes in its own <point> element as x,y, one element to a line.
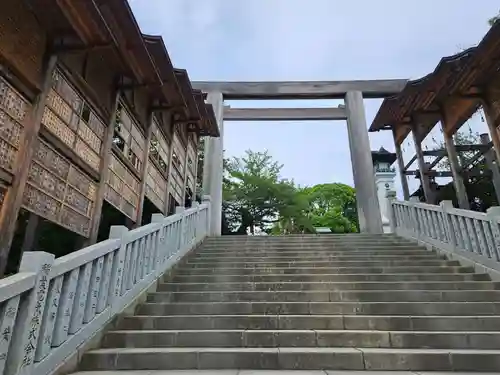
<point>187,92</point>
<point>383,156</point>
<point>211,122</point>
<point>111,24</point>
<point>170,86</point>
<point>450,88</point>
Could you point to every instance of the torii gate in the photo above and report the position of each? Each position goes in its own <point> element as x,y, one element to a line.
<point>353,111</point>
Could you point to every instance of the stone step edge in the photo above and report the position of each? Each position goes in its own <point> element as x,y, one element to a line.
<point>305,358</point>
<point>313,316</point>
<point>318,292</point>
<point>480,282</point>
<point>340,274</point>
<point>290,349</point>
<point>360,331</point>
<point>495,303</point>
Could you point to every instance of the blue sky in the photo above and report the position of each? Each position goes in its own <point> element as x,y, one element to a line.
<point>312,40</point>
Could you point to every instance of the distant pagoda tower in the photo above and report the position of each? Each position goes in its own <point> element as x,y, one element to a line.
<point>384,180</point>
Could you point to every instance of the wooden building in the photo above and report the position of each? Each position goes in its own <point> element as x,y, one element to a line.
<point>96,125</point>
<point>459,86</point>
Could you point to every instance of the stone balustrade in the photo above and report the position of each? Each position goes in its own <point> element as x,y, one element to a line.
<point>54,306</point>
<point>469,236</point>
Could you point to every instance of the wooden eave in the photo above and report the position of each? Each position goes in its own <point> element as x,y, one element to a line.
<point>172,95</point>
<point>212,129</point>
<point>419,101</point>
<point>187,92</point>
<point>455,76</point>
<point>87,21</point>
<point>123,26</point>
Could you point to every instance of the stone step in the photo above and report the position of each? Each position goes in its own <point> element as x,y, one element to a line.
<point>450,323</point>
<point>309,245</point>
<point>333,277</point>
<point>308,242</point>
<point>301,285</point>
<point>222,271</point>
<point>310,249</point>
<point>291,359</point>
<point>301,338</point>
<point>335,308</point>
<point>303,257</point>
<point>271,240</point>
<point>329,296</point>
<point>268,372</point>
<point>324,263</point>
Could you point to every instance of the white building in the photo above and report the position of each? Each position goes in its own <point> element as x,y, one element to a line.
<point>384,181</point>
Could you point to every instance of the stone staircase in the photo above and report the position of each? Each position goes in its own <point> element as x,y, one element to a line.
<point>339,302</point>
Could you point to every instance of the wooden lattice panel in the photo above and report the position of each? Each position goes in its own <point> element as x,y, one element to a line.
<point>132,142</point>
<point>176,184</point>
<point>122,188</point>
<point>69,117</point>
<point>58,191</point>
<point>159,149</point>
<point>156,187</point>
<point>180,152</point>
<point>190,181</point>
<point>191,158</point>
<point>13,110</point>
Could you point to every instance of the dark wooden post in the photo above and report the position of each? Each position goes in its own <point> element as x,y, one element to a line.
<point>401,166</point>
<point>14,197</point>
<point>144,169</point>
<point>103,172</point>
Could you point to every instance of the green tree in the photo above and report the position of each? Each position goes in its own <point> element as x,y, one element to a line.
<point>252,191</point>
<point>256,196</point>
<point>333,206</point>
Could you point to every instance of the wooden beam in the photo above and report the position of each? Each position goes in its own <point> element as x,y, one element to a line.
<point>14,197</point>
<point>284,114</point>
<point>302,89</point>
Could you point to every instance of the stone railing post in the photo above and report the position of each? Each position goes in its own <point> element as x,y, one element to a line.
<point>161,249</point>
<point>493,214</point>
<point>118,271</point>
<point>25,337</point>
<point>182,227</point>
<point>196,224</point>
<point>391,198</point>
<point>448,224</point>
<point>208,200</point>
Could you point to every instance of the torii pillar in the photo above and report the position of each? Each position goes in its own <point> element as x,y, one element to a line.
<point>369,217</point>
<point>213,165</point>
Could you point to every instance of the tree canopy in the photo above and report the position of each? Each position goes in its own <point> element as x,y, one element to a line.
<point>257,197</point>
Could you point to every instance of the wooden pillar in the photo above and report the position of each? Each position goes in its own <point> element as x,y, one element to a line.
<point>492,164</point>
<point>184,189</point>
<point>424,177</point>
<point>103,172</point>
<point>30,240</point>
<point>458,182</point>
<point>14,197</point>
<point>169,170</point>
<point>401,167</point>
<point>489,115</point>
<point>144,170</point>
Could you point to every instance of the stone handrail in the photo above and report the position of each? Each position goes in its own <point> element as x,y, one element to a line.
<point>474,237</point>
<point>53,306</point>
